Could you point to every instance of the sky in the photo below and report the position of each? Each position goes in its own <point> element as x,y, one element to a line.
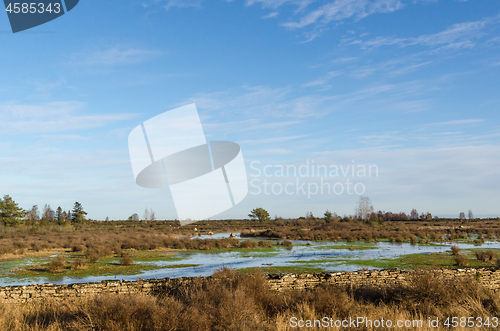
<point>406,88</point>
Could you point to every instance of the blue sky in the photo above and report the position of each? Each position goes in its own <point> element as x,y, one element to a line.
<point>411,86</point>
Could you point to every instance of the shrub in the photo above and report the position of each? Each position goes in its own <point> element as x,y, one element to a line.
<point>248,244</point>
<point>77,248</point>
<point>126,259</point>
<point>79,264</point>
<point>455,250</point>
<point>105,251</point>
<point>461,260</point>
<point>484,256</point>
<point>92,256</point>
<point>262,243</point>
<point>56,265</point>
<point>118,250</point>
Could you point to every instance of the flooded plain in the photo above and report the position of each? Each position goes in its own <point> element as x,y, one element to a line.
<point>310,255</point>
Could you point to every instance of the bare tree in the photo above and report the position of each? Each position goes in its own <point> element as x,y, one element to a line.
<point>146,214</point>
<point>107,219</point>
<point>152,215</point>
<point>471,215</point>
<point>33,214</point>
<point>462,216</point>
<point>414,214</point>
<point>48,213</point>
<point>364,208</point>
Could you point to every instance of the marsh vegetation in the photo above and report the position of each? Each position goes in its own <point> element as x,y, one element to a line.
<point>233,301</point>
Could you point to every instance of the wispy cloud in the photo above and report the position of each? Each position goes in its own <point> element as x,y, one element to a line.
<point>342,9</point>
<point>272,140</point>
<point>459,35</point>
<point>44,89</point>
<point>52,117</point>
<point>114,56</point>
<point>262,102</point>
<point>455,122</point>
<point>274,4</point>
<point>272,15</point>
<point>271,151</point>
<point>183,4</point>
<point>323,80</point>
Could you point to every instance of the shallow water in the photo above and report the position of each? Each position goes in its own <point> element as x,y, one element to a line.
<point>301,252</point>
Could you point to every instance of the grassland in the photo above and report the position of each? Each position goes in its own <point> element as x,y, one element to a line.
<point>244,302</point>
<point>99,248</point>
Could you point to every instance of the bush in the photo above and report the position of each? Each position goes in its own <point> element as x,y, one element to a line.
<point>77,248</point>
<point>248,244</point>
<point>455,250</point>
<point>484,256</point>
<point>461,260</point>
<point>92,256</point>
<point>126,259</point>
<point>79,264</point>
<point>56,265</point>
<point>287,243</point>
<point>262,243</point>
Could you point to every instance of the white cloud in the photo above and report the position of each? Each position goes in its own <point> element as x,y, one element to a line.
<point>272,15</point>
<point>271,140</point>
<point>261,102</point>
<point>183,4</point>
<point>112,56</point>
<point>459,35</point>
<point>274,4</point>
<point>270,151</point>
<point>52,117</point>
<point>342,9</point>
<point>323,80</point>
<point>455,122</point>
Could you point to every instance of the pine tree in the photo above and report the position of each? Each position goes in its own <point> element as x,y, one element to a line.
<point>10,212</point>
<point>78,214</point>
<point>59,213</point>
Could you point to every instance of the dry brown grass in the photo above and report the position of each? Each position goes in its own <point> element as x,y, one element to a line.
<point>111,238</point>
<point>233,301</point>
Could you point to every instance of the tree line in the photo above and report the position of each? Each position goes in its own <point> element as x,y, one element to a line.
<point>11,214</point>
<point>364,212</point>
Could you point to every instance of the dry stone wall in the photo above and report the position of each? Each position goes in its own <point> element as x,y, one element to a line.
<point>487,277</point>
